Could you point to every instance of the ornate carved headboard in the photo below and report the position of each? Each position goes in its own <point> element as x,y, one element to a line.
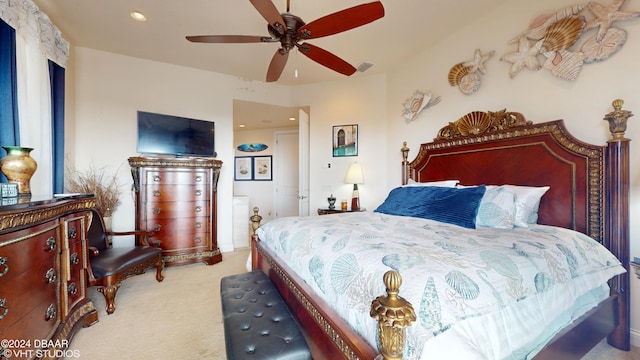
<point>502,147</point>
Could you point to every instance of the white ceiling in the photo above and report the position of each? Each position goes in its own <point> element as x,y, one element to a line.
<point>408,27</point>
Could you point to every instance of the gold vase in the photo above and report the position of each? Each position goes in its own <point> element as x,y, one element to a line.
<point>18,166</point>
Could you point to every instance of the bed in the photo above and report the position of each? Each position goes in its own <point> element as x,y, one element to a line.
<point>585,203</point>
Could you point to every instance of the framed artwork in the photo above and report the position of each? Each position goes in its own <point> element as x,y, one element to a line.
<point>243,168</point>
<point>262,169</point>
<point>345,140</point>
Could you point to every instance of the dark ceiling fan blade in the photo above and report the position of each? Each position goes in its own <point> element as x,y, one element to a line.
<point>277,64</point>
<point>270,13</point>
<point>229,39</point>
<point>342,20</point>
<point>325,58</point>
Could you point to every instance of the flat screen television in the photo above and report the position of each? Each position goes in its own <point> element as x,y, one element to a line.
<point>160,134</point>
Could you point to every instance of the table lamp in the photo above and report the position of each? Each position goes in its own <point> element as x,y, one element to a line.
<point>355,177</point>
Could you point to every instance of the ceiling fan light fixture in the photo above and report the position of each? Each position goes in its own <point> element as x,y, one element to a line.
<point>364,66</point>
<point>138,16</point>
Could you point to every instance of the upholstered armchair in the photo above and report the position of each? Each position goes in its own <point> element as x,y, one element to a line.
<point>110,265</point>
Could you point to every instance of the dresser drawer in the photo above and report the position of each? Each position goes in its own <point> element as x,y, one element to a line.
<point>27,249</point>
<point>28,291</point>
<point>185,177</point>
<point>76,276</point>
<point>175,192</point>
<point>186,233</point>
<point>176,210</point>
<point>38,323</point>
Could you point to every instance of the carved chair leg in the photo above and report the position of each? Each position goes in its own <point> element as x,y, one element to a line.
<point>159,268</point>
<point>109,293</point>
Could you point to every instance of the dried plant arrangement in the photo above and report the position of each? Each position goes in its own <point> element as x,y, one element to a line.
<point>105,188</point>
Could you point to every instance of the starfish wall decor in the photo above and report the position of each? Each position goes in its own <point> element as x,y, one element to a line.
<point>555,36</point>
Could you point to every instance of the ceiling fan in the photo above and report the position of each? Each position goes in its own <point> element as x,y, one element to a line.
<point>290,30</point>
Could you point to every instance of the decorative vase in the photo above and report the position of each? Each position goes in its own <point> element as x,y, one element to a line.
<point>332,202</point>
<point>18,166</point>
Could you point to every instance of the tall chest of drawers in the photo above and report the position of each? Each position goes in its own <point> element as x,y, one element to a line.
<point>43,288</point>
<point>176,198</point>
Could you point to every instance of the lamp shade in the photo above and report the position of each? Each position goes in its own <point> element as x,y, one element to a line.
<point>354,174</point>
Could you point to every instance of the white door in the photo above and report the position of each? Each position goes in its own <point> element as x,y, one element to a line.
<point>286,172</point>
<point>303,163</point>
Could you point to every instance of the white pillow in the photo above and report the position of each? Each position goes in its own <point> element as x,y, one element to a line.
<point>443,183</point>
<point>497,208</point>
<point>527,203</point>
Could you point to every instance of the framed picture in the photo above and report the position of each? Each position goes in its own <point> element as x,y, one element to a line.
<point>243,168</point>
<point>345,140</point>
<point>262,168</point>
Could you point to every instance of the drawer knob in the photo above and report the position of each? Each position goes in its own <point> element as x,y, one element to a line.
<point>51,312</point>
<point>156,178</point>
<point>51,276</point>
<point>157,227</point>
<point>4,308</point>
<point>50,245</point>
<point>198,208</point>
<point>4,267</point>
<point>199,178</point>
<point>198,192</point>
<point>74,259</point>
<point>156,193</point>
<point>156,210</point>
<point>73,289</point>
<point>72,232</point>
<point>197,240</point>
<point>198,225</point>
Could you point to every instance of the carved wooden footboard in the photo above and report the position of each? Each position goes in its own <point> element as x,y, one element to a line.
<point>590,192</point>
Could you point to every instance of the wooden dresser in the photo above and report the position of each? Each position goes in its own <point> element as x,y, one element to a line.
<point>43,286</point>
<point>176,198</point>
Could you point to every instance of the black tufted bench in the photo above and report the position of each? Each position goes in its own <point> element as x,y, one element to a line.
<point>257,322</point>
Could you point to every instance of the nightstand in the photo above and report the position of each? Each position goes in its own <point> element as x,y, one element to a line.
<point>336,211</point>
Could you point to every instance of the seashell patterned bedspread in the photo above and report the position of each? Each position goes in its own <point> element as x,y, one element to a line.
<point>449,273</point>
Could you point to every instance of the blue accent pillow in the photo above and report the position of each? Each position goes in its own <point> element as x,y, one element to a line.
<point>458,206</point>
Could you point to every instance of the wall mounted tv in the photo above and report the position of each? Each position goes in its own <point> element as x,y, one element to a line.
<point>160,134</point>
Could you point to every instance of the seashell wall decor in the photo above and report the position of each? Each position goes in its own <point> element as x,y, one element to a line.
<point>563,38</point>
<point>416,103</point>
<point>466,75</point>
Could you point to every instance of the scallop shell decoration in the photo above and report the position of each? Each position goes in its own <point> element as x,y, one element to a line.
<point>562,34</point>
<point>457,72</point>
<point>418,102</point>
<point>343,271</point>
<point>462,284</point>
<point>473,123</point>
<point>466,75</point>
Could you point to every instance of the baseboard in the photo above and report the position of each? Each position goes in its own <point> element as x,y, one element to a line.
<point>635,337</point>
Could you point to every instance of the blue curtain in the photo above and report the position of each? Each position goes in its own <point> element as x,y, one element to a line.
<point>9,128</point>
<point>56,75</point>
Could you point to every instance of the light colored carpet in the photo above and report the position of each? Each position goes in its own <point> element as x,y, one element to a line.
<point>181,318</point>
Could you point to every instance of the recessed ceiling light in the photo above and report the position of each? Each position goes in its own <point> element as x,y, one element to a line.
<point>241,125</point>
<point>138,16</point>
<point>292,119</point>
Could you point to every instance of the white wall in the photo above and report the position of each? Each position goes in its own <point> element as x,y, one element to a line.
<point>110,88</point>
<point>539,95</point>
<point>358,100</point>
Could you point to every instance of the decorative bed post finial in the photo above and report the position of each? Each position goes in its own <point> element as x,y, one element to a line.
<point>405,163</point>
<point>255,220</point>
<point>393,314</point>
<point>405,151</point>
<point>618,119</point>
